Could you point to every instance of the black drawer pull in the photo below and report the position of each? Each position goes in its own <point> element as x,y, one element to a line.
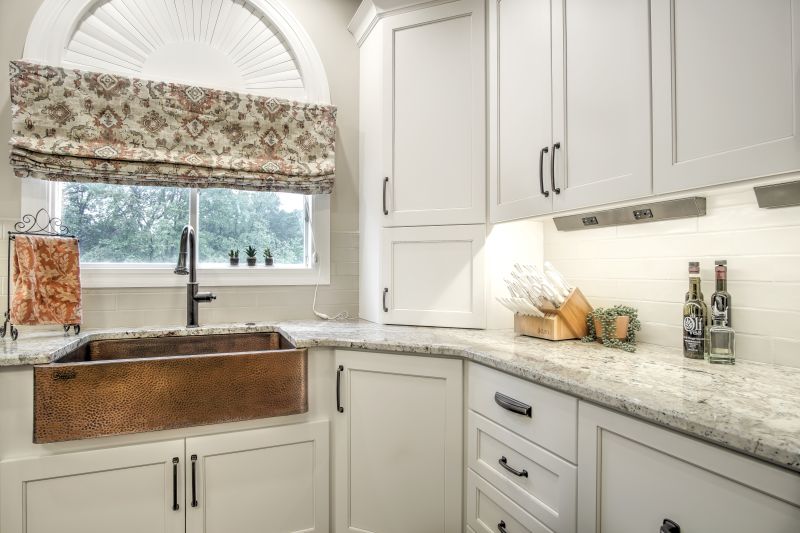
<point>668,526</point>
<point>515,406</point>
<point>501,527</point>
<point>385,292</point>
<point>194,482</point>
<point>385,183</point>
<point>541,171</point>
<point>556,190</point>
<point>339,389</point>
<point>504,463</point>
<point>175,506</point>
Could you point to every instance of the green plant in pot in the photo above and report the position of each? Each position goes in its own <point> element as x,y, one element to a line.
<point>234,257</point>
<point>251,255</point>
<point>268,257</point>
<point>615,327</point>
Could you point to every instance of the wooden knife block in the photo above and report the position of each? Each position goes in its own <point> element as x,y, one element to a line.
<point>558,324</point>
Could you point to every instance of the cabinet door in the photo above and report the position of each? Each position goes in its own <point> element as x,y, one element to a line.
<point>520,108</point>
<point>725,91</point>
<point>434,115</point>
<point>125,490</point>
<point>433,276</point>
<point>634,475</point>
<point>273,480</point>
<point>601,102</point>
<point>398,444</point>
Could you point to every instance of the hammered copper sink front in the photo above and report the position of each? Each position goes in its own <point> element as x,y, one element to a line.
<point>114,387</point>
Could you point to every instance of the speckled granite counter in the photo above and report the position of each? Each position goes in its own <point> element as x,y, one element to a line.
<point>751,407</point>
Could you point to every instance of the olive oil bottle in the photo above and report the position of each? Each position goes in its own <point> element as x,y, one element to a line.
<point>695,317</point>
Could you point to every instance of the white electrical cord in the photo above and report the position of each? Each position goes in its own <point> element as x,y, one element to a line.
<point>344,315</point>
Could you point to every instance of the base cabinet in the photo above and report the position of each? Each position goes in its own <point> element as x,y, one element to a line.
<point>633,475</point>
<point>397,454</point>
<point>126,490</point>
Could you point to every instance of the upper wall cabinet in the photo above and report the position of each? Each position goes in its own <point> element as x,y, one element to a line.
<point>569,104</point>
<point>725,94</point>
<point>431,119</point>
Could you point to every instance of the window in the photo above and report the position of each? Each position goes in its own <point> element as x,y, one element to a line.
<point>129,235</point>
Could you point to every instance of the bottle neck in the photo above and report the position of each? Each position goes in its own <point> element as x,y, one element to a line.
<point>722,280</point>
<point>694,287</point>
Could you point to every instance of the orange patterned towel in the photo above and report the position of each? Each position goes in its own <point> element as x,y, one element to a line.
<point>47,281</point>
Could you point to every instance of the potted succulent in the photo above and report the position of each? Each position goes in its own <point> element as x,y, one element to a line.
<point>268,257</point>
<point>234,255</point>
<point>251,256</point>
<point>615,327</point>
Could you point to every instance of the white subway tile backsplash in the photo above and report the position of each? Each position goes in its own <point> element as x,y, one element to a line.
<point>645,266</point>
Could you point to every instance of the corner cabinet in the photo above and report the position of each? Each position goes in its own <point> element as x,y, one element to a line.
<point>397,447</point>
<point>725,91</point>
<point>635,477</point>
<point>569,105</point>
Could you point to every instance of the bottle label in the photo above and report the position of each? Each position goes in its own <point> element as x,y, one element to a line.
<point>693,326</point>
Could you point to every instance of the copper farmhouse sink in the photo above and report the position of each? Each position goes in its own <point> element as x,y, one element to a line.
<point>118,386</point>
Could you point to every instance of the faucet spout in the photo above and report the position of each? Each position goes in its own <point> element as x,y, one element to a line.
<point>187,265</point>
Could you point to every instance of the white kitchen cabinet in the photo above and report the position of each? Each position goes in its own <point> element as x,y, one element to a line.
<point>128,489</point>
<point>725,92</point>
<point>273,480</point>
<point>397,454</point>
<point>433,276</point>
<point>633,475</point>
<point>569,105</point>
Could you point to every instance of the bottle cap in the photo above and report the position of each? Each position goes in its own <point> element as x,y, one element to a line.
<point>721,262</point>
<point>694,266</point>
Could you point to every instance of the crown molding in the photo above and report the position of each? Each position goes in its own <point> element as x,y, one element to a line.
<point>370,12</point>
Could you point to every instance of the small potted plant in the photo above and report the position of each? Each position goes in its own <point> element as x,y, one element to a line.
<point>251,256</point>
<point>268,257</point>
<point>615,327</point>
<point>234,255</point>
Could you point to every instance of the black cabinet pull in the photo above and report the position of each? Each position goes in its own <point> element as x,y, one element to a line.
<point>668,526</point>
<point>515,406</point>
<point>504,463</point>
<point>556,190</point>
<point>175,506</point>
<point>339,389</point>
<point>385,292</point>
<point>501,527</point>
<point>194,484</point>
<point>385,183</point>
<point>541,171</point>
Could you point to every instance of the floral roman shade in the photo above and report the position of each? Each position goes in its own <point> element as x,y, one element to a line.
<point>79,126</point>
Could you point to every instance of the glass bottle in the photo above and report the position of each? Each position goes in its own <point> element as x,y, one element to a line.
<point>695,317</point>
<point>721,342</point>
<point>721,299</point>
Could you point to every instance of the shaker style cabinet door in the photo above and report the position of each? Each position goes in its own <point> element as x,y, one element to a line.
<point>434,116</point>
<point>520,108</point>
<point>433,276</point>
<point>601,149</point>
<point>129,489</point>
<point>633,476</point>
<point>398,439</point>
<point>273,480</point>
<point>725,91</point>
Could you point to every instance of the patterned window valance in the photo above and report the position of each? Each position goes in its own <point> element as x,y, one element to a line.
<point>73,125</point>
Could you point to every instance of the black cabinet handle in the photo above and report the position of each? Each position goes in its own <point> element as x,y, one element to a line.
<point>556,190</point>
<point>175,506</point>
<point>541,171</point>
<point>504,463</point>
<point>515,406</point>
<point>385,183</point>
<point>668,526</point>
<point>501,527</point>
<point>385,292</point>
<point>194,484</point>
<point>339,389</point>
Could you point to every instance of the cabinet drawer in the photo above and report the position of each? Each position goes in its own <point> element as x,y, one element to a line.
<point>544,485</point>
<point>553,418</point>
<point>487,508</point>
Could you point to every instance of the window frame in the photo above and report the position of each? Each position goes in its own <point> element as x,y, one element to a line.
<point>37,194</point>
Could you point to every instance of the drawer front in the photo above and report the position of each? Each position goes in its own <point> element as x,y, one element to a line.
<point>553,419</point>
<point>488,510</point>
<point>544,484</point>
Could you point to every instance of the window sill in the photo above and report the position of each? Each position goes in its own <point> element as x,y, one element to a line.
<point>106,276</point>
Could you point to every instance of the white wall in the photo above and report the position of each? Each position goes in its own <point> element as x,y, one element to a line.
<point>326,22</point>
<point>645,266</point>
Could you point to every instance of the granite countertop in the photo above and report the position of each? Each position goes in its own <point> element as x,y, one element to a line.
<point>753,408</point>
